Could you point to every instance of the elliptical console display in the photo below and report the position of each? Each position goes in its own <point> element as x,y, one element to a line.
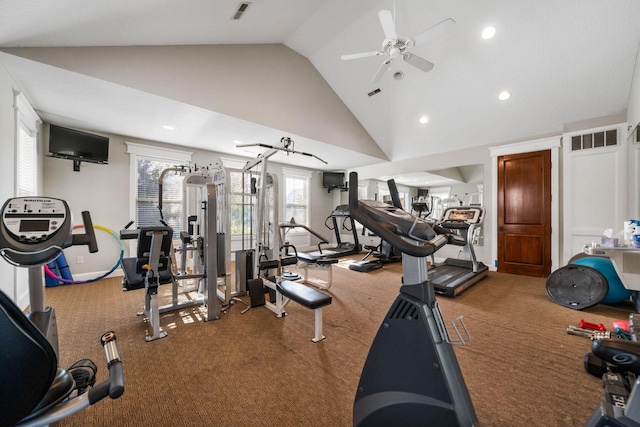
<point>34,230</point>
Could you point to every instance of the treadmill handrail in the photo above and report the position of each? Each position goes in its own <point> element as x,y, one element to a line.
<point>285,225</point>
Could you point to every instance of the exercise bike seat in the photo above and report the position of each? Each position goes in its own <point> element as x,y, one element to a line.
<point>32,388</point>
<point>622,353</point>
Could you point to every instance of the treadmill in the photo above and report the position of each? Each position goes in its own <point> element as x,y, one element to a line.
<point>455,275</point>
<point>341,248</point>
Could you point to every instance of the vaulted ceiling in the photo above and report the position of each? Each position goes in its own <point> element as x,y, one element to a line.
<point>563,61</point>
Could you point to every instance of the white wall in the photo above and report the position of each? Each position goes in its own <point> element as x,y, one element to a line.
<point>267,84</point>
<point>633,120</point>
<point>595,183</point>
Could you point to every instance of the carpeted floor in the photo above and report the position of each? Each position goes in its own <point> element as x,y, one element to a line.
<point>521,367</point>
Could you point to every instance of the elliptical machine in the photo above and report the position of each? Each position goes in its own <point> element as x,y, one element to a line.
<point>35,391</point>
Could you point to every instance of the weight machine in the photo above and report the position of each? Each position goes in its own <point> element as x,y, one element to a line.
<point>204,250</point>
<point>271,252</point>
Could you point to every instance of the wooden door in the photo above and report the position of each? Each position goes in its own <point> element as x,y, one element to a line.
<point>524,214</point>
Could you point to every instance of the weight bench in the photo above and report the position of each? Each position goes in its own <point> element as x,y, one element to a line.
<point>305,262</point>
<point>304,295</point>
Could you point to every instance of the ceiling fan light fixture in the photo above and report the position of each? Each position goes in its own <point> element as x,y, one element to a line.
<point>488,32</point>
<point>398,75</point>
<point>424,119</point>
<point>504,95</point>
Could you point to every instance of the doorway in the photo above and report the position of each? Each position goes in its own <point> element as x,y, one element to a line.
<point>524,213</point>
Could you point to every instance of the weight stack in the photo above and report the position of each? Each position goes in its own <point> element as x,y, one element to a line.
<point>244,269</point>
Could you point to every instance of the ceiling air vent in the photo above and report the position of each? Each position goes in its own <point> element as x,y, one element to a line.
<point>374,92</point>
<point>243,6</point>
<point>605,138</point>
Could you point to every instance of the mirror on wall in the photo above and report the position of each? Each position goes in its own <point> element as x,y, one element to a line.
<point>427,193</point>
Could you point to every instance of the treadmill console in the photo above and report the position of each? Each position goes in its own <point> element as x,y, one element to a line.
<point>468,215</point>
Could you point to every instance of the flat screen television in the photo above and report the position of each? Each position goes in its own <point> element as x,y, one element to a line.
<point>332,180</point>
<point>79,146</point>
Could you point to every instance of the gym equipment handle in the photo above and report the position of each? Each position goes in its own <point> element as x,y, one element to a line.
<point>594,326</point>
<point>114,385</point>
<point>89,236</point>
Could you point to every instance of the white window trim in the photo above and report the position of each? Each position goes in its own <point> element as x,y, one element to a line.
<point>297,173</point>
<point>235,164</point>
<point>26,117</point>
<point>158,152</point>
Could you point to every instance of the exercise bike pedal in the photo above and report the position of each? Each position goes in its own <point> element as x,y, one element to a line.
<point>84,374</point>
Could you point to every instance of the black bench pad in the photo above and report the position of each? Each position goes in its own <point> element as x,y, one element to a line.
<point>303,295</point>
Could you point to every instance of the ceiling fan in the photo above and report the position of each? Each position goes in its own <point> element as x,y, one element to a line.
<point>397,46</point>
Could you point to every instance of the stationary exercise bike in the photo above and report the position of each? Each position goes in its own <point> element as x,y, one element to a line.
<point>35,391</point>
<point>411,376</point>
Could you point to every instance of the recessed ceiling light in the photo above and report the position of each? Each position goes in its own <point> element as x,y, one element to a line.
<point>488,33</point>
<point>424,119</point>
<point>504,95</point>
<point>168,127</point>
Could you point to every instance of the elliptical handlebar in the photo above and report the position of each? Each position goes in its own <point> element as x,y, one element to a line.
<point>89,236</point>
<point>402,230</point>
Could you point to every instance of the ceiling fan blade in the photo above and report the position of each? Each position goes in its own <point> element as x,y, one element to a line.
<point>383,68</point>
<point>360,55</point>
<point>418,62</point>
<point>388,26</point>
<point>434,31</point>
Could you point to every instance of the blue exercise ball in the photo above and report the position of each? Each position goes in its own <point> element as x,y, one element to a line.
<point>617,292</point>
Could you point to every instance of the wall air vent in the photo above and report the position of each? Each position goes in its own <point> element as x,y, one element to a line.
<point>374,92</point>
<point>243,6</point>
<point>605,138</point>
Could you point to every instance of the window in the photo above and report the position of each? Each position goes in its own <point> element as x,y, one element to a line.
<point>148,198</point>
<point>440,200</point>
<point>296,195</point>
<point>603,138</point>
<point>147,163</point>
<point>242,203</point>
<point>26,148</point>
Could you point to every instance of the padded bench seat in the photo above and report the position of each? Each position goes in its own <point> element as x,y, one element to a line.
<point>304,295</point>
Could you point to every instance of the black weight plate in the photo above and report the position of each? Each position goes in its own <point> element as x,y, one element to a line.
<point>577,286</point>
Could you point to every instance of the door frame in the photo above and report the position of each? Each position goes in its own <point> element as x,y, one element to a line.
<point>553,144</point>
